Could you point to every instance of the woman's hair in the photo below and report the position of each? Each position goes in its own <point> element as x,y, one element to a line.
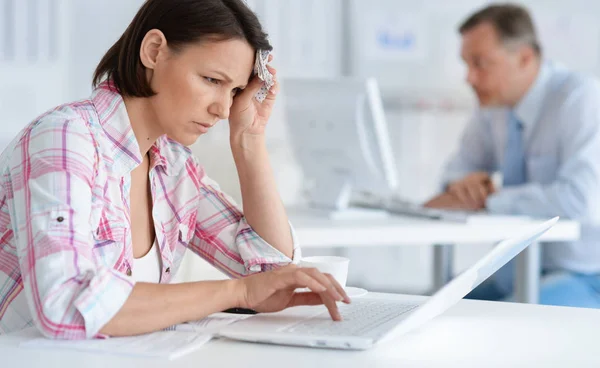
<point>182,22</point>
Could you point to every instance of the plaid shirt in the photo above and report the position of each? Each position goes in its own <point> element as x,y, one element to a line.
<point>66,259</point>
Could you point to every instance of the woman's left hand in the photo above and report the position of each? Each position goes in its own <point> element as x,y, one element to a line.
<point>247,115</point>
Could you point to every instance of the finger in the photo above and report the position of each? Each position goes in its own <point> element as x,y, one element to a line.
<point>275,88</point>
<point>459,193</point>
<point>483,192</point>
<point>452,189</point>
<point>474,194</point>
<point>451,201</point>
<point>338,288</point>
<point>325,281</point>
<point>270,58</point>
<point>479,175</point>
<point>273,91</point>
<point>245,97</point>
<point>332,307</point>
<point>253,87</point>
<point>470,195</point>
<point>465,197</point>
<point>302,279</point>
<point>272,70</point>
<point>488,185</point>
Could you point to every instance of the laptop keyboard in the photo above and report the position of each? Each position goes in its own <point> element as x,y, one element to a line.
<point>359,318</point>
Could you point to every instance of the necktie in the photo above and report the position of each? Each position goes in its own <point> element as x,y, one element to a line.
<point>513,167</point>
<point>514,173</point>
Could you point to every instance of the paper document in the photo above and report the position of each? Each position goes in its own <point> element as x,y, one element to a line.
<point>209,325</point>
<point>171,343</point>
<point>163,344</point>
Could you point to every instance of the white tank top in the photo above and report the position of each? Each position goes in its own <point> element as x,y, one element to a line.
<point>148,268</point>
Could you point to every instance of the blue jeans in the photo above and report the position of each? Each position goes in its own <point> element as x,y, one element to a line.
<point>556,288</point>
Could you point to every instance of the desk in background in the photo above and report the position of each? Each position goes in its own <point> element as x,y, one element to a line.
<point>471,334</point>
<point>319,231</point>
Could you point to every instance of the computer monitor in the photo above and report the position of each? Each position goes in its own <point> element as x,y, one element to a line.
<point>340,138</point>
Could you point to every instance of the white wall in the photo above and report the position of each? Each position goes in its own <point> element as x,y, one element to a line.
<point>48,52</point>
<point>95,26</point>
<point>32,61</point>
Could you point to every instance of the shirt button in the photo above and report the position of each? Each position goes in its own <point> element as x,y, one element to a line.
<point>60,219</point>
<point>168,270</point>
<point>128,271</point>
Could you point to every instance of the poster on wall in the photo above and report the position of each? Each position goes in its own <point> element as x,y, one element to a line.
<point>395,37</point>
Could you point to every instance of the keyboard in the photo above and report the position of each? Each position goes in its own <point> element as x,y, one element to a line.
<point>359,318</point>
<point>402,207</point>
<point>411,209</point>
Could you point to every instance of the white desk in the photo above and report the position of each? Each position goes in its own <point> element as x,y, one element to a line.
<point>320,231</point>
<point>471,334</point>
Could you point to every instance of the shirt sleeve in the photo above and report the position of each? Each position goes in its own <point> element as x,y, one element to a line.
<point>474,153</point>
<point>576,190</point>
<point>70,295</point>
<point>224,238</point>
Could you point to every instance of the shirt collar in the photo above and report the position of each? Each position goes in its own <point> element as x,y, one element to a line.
<point>528,109</point>
<point>170,155</point>
<point>125,150</point>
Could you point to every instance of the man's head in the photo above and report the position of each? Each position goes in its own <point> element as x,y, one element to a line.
<point>502,53</point>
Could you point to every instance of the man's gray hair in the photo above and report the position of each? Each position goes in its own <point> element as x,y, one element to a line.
<point>512,23</point>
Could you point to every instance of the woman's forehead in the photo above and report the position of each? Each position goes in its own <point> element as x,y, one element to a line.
<point>234,56</point>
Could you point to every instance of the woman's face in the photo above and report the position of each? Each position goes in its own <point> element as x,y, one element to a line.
<point>195,86</point>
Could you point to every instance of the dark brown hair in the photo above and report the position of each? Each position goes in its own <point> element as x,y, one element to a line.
<point>512,23</point>
<point>182,22</point>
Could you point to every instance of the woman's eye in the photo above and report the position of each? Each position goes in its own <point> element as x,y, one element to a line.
<point>212,80</point>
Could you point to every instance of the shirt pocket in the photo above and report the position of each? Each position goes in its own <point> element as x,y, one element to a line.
<point>110,240</point>
<point>177,236</point>
<point>542,168</point>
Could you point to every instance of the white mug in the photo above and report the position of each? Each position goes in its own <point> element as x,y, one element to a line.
<point>336,266</point>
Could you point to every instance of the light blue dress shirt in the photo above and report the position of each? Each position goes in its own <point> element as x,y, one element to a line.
<point>561,121</point>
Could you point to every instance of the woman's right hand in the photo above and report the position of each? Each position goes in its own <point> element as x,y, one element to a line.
<point>274,291</point>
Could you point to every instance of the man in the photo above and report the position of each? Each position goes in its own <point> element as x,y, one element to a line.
<point>538,125</point>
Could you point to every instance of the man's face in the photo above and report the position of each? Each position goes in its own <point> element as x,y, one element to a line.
<point>494,72</point>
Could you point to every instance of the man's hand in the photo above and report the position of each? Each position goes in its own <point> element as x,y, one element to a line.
<point>469,193</point>
<point>446,201</point>
<point>473,189</point>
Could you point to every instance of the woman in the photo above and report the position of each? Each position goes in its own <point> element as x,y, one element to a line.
<point>100,198</point>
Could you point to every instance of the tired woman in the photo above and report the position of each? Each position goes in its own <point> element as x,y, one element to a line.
<point>100,198</point>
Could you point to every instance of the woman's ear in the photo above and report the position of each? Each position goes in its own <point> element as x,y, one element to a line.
<point>153,46</point>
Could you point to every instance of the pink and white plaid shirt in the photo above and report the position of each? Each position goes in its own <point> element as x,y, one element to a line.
<point>65,245</point>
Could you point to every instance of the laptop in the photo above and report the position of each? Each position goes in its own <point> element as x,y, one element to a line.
<point>369,321</point>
